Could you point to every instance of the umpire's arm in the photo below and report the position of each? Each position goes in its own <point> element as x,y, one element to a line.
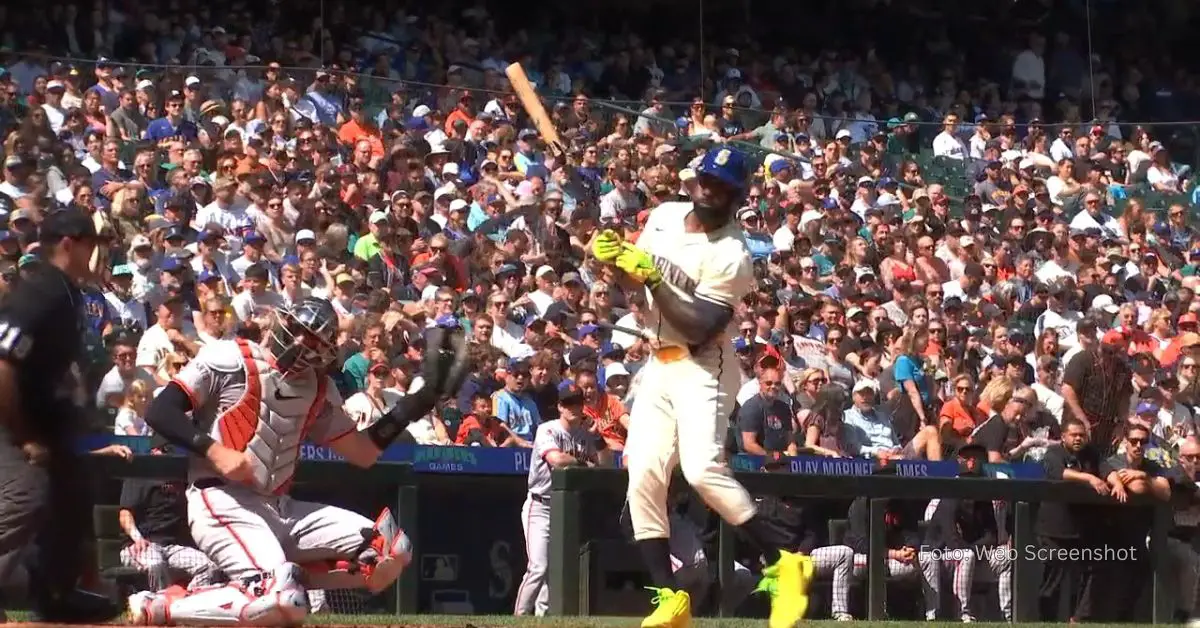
<point>19,323</point>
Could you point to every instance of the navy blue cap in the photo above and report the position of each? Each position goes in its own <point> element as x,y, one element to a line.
<point>207,275</point>
<point>176,232</point>
<point>586,330</point>
<point>171,265</point>
<point>253,236</point>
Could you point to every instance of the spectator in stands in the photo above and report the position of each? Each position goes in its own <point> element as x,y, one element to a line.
<point>821,428</point>
<point>513,406</point>
<point>765,422</point>
<point>123,350</point>
<point>165,336</point>
<point>374,399</point>
<point>960,416</point>
<point>870,431</point>
<point>131,417</point>
<point>1185,561</point>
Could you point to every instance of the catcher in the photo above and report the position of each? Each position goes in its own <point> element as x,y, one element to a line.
<point>252,405</point>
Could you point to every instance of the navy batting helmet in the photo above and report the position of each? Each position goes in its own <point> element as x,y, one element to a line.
<point>727,165</point>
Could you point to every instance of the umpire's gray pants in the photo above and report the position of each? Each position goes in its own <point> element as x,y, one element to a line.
<point>24,491</point>
<point>533,596</point>
<point>925,567</point>
<point>159,561</point>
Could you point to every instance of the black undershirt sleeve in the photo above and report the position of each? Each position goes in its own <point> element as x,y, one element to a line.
<point>167,416</point>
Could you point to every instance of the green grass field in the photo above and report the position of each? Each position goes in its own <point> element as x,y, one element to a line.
<point>506,621</point>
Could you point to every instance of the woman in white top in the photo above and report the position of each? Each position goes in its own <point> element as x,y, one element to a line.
<point>131,417</point>
<point>367,406</point>
<point>1160,175</point>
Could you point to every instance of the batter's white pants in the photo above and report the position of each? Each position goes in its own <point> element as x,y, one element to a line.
<point>533,596</point>
<point>161,563</point>
<point>681,416</point>
<point>925,567</point>
<point>963,569</point>
<point>245,533</point>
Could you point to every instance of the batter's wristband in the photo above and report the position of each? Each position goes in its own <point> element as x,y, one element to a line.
<point>200,443</point>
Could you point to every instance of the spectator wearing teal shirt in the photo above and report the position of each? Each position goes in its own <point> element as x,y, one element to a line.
<point>913,410</point>
<point>513,405</point>
<point>356,367</point>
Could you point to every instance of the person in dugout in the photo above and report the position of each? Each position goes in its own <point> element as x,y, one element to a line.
<point>903,537</point>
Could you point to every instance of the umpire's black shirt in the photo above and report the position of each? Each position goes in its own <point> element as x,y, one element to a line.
<point>40,334</point>
<point>159,510</point>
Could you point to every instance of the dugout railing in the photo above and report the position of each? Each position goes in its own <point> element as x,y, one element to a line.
<point>330,477</point>
<point>571,487</point>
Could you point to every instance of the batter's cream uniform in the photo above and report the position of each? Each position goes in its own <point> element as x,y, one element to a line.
<point>245,404</point>
<point>533,596</point>
<point>681,412</point>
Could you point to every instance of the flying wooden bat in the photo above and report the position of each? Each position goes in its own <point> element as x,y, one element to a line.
<point>533,105</point>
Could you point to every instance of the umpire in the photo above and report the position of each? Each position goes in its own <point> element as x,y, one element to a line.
<point>44,492</point>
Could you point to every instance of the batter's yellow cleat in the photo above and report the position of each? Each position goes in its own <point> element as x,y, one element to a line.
<point>787,583</point>
<point>672,609</point>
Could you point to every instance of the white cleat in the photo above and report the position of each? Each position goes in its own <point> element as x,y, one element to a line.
<point>138,605</point>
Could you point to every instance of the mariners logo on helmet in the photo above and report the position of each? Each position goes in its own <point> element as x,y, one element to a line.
<point>728,165</point>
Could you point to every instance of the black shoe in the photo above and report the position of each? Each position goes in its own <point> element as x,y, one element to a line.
<point>77,607</point>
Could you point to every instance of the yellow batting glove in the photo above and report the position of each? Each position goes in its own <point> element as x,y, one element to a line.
<point>638,265</point>
<point>607,246</point>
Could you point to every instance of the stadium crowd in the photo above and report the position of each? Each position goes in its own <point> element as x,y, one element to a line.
<point>994,253</point>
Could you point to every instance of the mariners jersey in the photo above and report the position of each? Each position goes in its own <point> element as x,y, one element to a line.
<point>553,436</point>
<point>714,266</point>
<point>244,403</point>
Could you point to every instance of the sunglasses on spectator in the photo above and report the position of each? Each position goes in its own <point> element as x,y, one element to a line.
<point>962,389</point>
<point>816,380</point>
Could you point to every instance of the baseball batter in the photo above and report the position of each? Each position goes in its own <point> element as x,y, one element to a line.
<point>692,260</point>
<point>252,407</point>
<point>563,442</point>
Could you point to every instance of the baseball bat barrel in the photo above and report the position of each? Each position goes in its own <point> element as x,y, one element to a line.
<point>531,103</point>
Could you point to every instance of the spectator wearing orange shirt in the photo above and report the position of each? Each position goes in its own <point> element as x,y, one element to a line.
<point>960,416</point>
<point>359,128</point>
<point>609,417</point>
<point>452,267</point>
<point>465,111</point>
<point>480,428</point>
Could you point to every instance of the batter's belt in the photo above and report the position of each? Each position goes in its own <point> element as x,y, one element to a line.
<point>670,353</point>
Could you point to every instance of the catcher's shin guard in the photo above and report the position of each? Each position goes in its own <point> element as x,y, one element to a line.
<point>386,552</point>
<point>273,599</point>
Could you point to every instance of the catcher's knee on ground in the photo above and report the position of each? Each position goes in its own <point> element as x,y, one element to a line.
<point>385,553</point>
<point>270,599</point>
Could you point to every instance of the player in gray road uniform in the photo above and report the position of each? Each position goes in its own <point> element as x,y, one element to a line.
<point>564,442</point>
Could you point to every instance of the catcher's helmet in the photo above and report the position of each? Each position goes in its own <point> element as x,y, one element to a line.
<point>727,165</point>
<point>304,336</point>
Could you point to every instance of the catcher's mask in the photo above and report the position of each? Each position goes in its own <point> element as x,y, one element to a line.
<point>304,336</point>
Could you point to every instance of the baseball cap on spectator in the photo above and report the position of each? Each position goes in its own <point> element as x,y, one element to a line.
<point>747,213</point>
<point>344,278</point>
<point>1188,319</point>
<point>586,330</point>
<point>844,133</point>
<point>854,311</point>
<point>207,275</point>
<point>580,354</point>
<point>191,81</point>
<point>1106,303</point>
<point>27,259</point>
<point>55,86</point>
<point>863,271</point>
<point>254,237</point>
<point>571,278</point>
<point>122,270</point>
<point>305,235</point>
<point>378,216</point>
<point>864,384</point>
<point>544,270</point>
<point>450,168</point>
<point>173,265</point>
<point>420,111</point>
<point>458,205</point>
<point>1148,408</point>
